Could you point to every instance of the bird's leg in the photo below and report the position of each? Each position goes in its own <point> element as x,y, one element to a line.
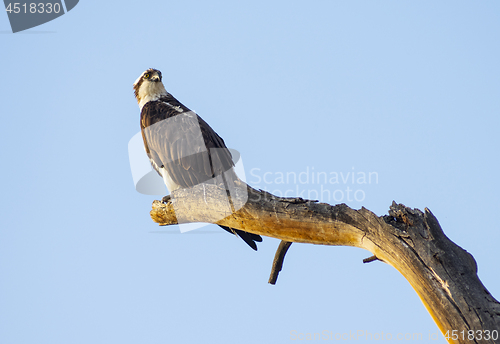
<point>165,199</point>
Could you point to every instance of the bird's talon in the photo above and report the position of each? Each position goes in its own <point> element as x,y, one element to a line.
<point>165,199</point>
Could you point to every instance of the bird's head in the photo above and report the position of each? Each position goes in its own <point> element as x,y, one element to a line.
<point>149,87</point>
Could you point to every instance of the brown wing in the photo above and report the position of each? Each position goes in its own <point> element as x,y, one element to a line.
<point>183,143</point>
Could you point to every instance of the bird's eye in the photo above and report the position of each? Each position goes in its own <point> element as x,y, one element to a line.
<point>146,76</point>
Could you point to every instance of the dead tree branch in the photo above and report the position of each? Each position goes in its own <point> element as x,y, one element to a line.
<point>443,274</point>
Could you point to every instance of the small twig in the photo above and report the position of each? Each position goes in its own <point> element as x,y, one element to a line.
<point>278,261</point>
<point>370,259</point>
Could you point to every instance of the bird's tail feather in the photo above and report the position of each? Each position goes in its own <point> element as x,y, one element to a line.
<point>249,238</point>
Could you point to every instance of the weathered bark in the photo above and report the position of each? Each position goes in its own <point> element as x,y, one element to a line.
<point>443,274</point>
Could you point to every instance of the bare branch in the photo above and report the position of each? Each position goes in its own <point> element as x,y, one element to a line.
<point>370,259</point>
<point>279,257</point>
<point>443,274</point>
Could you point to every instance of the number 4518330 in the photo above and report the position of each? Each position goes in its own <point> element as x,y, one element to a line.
<point>33,7</point>
<point>471,335</point>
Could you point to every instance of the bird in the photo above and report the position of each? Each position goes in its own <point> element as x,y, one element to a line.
<point>181,146</point>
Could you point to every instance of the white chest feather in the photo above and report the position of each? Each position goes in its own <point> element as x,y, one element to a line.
<point>150,91</point>
<point>171,185</point>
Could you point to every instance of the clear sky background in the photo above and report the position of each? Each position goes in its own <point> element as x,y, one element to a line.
<point>406,89</point>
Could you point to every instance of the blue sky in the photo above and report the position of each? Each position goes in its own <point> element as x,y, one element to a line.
<point>406,90</point>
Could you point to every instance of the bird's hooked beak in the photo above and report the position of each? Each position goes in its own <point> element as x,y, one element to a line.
<point>156,77</point>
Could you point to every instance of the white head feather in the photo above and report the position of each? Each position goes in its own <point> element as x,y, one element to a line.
<point>149,87</point>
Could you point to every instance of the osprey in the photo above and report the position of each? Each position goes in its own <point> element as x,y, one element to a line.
<point>182,147</point>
